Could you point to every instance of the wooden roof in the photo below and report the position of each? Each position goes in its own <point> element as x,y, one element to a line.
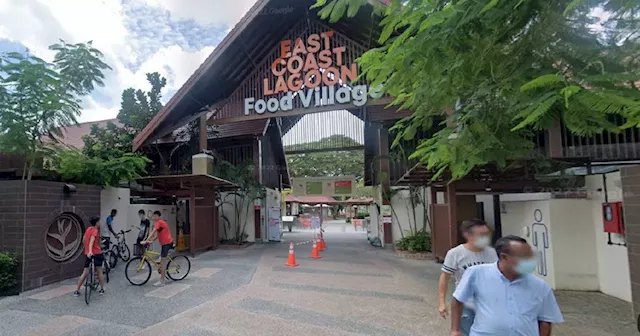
<point>234,59</point>
<point>518,179</point>
<point>186,182</point>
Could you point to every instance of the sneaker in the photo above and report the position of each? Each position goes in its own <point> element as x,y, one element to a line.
<point>76,293</point>
<point>101,292</point>
<point>158,284</point>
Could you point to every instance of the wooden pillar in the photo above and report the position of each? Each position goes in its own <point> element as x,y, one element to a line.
<point>452,204</point>
<point>216,220</point>
<point>384,177</point>
<point>497,219</point>
<point>192,225</point>
<point>257,160</point>
<point>554,140</point>
<point>203,133</point>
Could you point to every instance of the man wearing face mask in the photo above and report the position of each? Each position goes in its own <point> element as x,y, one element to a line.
<point>509,300</point>
<point>476,251</point>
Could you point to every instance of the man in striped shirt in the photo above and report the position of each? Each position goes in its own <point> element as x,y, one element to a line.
<point>476,251</point>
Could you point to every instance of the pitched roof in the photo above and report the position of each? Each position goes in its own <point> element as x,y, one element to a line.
<point>234,59</point>
<point>72,135</point>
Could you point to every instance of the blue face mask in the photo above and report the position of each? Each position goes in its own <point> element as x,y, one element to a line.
<point>526,266</point>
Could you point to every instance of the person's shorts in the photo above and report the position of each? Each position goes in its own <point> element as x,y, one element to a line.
<point>165,250</point>
<point>98,260</point>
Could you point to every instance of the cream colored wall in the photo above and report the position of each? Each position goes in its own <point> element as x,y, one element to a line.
<point>613,261</point>
<point>574,256</point>
<point>518,219</point>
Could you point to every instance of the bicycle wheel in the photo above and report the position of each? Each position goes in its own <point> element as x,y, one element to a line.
<point>125,253</point>
<point>111,259</point>
<point>88,285</point>
<point>178,267</point>
<point>106,269</point>
<point>116,254</point>
<point>138,271</point>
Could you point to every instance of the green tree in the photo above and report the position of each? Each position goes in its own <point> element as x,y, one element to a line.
<point>498,70</point>
<point>38,99</point>
<point>75,166</point>
<point>329,163</point>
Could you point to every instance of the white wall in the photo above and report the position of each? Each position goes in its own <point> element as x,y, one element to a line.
<point>272,199</point>
<point>246,216</point>
<point>579,256</point>
<point>127,217</point>
<point>574,256</point>
<point>133,221</point>
<point>534,218</point>
<point>403,215</point>
<point>613,261</point>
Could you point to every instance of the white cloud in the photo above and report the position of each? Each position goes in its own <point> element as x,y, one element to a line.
<point>181,64</point>
<point>206,12</point>
<point>36,24</point>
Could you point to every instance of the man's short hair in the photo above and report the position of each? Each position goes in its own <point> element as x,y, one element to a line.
<point>468,225</point>
<point>94,220</point>
<point>114,211</point>
<point>157,213</point>
<point>503,245</point>
<point>141,212</point>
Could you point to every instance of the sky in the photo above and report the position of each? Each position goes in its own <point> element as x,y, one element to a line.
<point>172,37</point>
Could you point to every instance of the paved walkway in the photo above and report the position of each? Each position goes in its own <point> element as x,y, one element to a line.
<point>355,289</point>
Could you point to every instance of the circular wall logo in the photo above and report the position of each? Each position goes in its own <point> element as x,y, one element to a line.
<point>63,237</point>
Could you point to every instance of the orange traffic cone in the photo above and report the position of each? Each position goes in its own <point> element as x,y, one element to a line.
<point>291,262</point>
<point>321,244</point>
<point>315,254</point>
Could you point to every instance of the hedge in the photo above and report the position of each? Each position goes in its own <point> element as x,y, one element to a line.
<point>9,266</point>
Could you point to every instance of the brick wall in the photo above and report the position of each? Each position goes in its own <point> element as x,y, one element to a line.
<point>31,209</point>
<point>12,215</point>
<point>630,178</point>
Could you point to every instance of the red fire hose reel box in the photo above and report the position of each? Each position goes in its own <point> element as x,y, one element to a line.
<point>612,217</point>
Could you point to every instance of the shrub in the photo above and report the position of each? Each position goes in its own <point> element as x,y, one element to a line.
<point>348,220</point>
<point>8,274</point>
<point>419,242</point>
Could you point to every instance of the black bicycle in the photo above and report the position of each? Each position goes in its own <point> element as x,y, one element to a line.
<point>121,250</point>
<point>90,282</point>
<point>110,257</point>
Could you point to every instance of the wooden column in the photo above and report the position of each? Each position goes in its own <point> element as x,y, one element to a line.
<point>554,140</point>
<point>384,176</point>
<point>497,219</point>
<point>203,133</point>
<point>452,203</point>
<point>216,221</point>
<point>257,160</point>
<point>192,224</point>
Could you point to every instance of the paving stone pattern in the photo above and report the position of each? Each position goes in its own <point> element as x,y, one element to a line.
<point>355,289</point>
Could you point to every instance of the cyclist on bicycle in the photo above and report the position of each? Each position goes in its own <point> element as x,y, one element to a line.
<point>162,232</point>
<point>93,252</point>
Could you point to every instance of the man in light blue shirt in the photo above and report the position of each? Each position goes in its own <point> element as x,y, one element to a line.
<point>509,300</point>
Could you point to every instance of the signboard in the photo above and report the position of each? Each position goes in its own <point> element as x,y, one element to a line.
<point>274,223</point>
<point>323,186</point>
<point>310,72</point>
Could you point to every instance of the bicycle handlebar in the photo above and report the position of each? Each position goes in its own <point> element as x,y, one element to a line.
<point>122,231</point>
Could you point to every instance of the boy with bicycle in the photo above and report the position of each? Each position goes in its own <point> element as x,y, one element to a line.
<point>92,251</point>
<point>163,233</point>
